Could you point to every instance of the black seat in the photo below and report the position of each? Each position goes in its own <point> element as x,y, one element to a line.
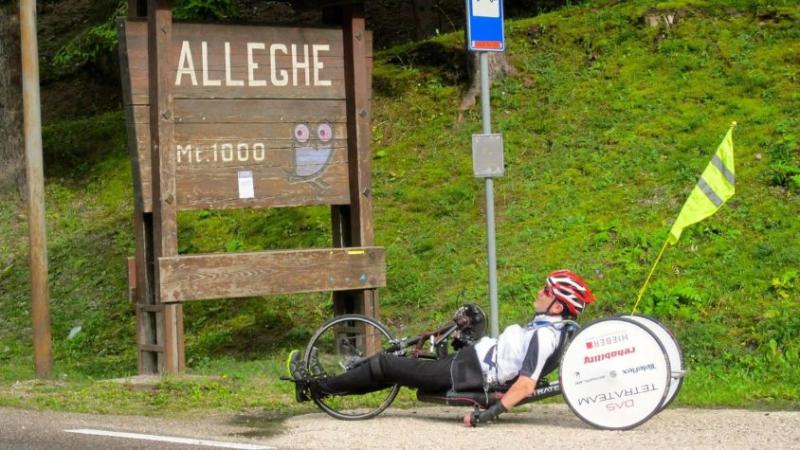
<point>552,363</point>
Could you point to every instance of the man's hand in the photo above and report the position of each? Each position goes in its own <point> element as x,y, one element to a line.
<point>522,388</point>
<point>469,419</point>
<point>476,417</point>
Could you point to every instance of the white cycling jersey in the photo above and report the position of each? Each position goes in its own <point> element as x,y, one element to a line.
<point>519,350</point>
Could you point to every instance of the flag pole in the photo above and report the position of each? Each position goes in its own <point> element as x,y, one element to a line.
<point>644,286</point>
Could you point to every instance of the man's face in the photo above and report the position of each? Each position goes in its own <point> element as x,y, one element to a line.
<point>543,300</point>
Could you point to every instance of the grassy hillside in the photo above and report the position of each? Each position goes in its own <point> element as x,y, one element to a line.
<point>607,125</point>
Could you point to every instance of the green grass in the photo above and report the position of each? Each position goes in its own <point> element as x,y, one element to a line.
<point>607,126</point>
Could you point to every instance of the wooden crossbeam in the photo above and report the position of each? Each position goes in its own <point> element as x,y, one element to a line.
<point>210,276</point>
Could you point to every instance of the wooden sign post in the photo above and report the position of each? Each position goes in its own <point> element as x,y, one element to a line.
<point>242,116</point>
<point>34,174</point>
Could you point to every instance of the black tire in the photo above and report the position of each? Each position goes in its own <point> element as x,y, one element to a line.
<point>675,354</point>
<point>340,344</point>
<point>615,374</point>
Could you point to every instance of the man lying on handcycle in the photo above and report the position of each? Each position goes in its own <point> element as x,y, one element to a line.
<point>518,353</point>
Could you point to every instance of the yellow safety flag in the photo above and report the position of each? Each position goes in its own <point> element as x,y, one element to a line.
<point>716,185</point>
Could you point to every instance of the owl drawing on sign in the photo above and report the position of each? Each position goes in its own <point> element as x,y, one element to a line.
<point>312,148</point>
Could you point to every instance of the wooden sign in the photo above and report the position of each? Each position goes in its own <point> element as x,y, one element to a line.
<point>237,116</point>
<point>260,114</point>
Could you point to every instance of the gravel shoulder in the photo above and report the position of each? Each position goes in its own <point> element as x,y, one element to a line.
<point>551,425</point>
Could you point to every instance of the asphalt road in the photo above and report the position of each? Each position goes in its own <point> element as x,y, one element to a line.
<point>553,426</point>
<point>24,430</point>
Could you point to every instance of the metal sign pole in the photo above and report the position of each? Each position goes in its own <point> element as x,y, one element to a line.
<point>490,231</point>
<point>40,310</point>
<point>485,34</point>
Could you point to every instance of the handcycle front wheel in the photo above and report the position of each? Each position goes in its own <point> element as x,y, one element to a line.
<point>342,344</point>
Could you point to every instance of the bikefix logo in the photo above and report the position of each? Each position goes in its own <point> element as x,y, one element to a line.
<point>606,340</point>
<point>618,395</point>
<point>642,368</point>
<point>609,355</point>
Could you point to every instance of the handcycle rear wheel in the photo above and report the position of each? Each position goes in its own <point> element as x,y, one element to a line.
<point>672,348</point>
<point>341,344</point>
<point>615,374</point>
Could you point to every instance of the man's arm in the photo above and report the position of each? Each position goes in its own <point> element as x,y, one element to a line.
<point>523,388</point>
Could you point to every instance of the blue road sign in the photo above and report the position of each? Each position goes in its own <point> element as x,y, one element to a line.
<point>485,26</point>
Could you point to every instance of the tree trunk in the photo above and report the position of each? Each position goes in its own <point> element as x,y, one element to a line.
<point>12,149</point>
<point>426,18</point>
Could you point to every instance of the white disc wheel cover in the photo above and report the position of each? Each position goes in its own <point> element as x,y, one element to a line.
<point>615,374</point>
<point>674,352</point>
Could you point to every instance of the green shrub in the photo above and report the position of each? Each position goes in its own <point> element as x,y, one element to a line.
<point>95,46</point>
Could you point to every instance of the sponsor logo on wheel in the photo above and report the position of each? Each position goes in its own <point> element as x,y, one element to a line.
<point>616,406</point>
<point>590,380</point>
<point>610,339</point>
<point>635,370</point>
<point>609,355</point>
<point>617,394</point>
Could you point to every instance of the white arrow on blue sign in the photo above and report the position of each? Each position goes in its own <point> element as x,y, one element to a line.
<point>485,26</point>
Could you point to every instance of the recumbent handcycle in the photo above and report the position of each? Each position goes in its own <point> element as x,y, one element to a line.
<point>614,373</point>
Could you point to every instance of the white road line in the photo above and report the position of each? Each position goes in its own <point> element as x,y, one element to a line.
<point>174,440</point>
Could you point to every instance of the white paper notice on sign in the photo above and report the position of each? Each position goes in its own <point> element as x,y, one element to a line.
<point>246,189</point>
<point>486,8</point>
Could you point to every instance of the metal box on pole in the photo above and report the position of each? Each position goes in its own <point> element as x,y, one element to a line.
<point>487,155</point>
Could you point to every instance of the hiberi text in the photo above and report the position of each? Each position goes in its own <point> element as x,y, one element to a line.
<point>304,70</point>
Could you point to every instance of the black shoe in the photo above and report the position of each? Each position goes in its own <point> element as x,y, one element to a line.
<point>299,374</point>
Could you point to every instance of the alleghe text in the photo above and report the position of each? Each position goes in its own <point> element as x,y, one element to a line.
<point>304,65</point>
